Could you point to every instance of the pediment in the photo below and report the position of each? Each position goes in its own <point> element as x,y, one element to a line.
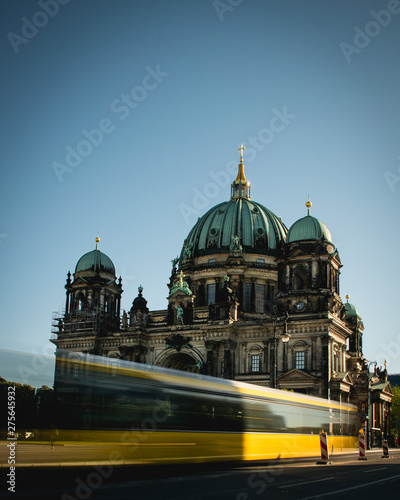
<point>342,377</point>
<point>298,252</point>
<point>79,281</point>
<point>180,293</point>
<point>111,285</point>
<point>296,375</point>
<point>335,257</point>
<point>385,387</point>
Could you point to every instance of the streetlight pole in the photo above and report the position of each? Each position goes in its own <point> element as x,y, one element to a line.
<point>275,361</point>
<point>285,337</point>
<point>369,385</point>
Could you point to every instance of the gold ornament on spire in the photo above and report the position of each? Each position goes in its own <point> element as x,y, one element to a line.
<point>97,240</point>
<point>347,297</point>
<point>308,205</point>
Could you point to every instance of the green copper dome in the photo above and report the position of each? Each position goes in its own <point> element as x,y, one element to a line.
<point>95,261</point>
<point>255,228</point>
<point>351,311</point>
<point>236,226</point>
<point>308,228</point>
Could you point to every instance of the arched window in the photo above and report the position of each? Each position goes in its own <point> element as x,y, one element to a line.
<point>300,360</point>
<point>211,289</point>
<point>246,297</point>
<point>255,363</point>
<point>260,298</point>
<point>300,355</point>
<point>80,301</point>
<point>255,359</point>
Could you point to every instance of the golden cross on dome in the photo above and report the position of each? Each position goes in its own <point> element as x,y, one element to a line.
<point>241,151</point>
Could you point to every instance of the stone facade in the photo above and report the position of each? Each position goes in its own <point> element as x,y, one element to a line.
<point>248,300</point>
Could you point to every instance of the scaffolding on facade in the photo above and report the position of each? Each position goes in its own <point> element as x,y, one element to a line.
<point>81,323</point>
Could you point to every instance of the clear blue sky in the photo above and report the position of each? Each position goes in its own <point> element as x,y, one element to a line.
<point>176,87</point>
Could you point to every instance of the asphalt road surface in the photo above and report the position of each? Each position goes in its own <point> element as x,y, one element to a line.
<point>345,477</point>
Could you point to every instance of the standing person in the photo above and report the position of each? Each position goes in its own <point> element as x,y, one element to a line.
<point>53,434</point>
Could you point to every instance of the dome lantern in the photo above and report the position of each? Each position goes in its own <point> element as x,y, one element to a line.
<point>240,186</point>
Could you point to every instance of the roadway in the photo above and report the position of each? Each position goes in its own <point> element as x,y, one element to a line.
<point>345,477</point>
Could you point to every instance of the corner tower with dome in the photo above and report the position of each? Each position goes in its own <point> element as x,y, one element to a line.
<point>92,304</point>
<point>247,300</point>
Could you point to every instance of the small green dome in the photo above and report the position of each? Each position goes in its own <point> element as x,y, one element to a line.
<point>258,229</point>
<point>351,311</point>
<point>308,228</point>
<point>95,261</point>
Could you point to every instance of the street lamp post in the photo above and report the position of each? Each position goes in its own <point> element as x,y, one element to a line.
<point>370,380</point>
<point>285,337</point>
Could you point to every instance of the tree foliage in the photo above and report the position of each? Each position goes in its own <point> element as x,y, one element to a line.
<point>34,408</point>
<point>395,412</point>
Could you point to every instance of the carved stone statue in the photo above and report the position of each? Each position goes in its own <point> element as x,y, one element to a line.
<point>124,320</point>
<point>179,314</point>
<point>188,251</point>
<point>174,264</point>
<point>235,246</point>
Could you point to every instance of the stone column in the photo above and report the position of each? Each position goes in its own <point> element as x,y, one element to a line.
<point>313,354</point>
<point>67,303</point>
<point>229,350</point>
<point>201,299</point>
<point>217,290</point>
<point>265,365</point>
<point>325,368</point>
<point>309,275</point>
<point>241,360</point>
<point>287,278</point>
<point>210,344</point>
<point>119,306</point>
<point>252,295</point>
<point>314,274</point>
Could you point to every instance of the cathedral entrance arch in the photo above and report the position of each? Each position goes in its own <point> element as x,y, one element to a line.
<point>184,361</point>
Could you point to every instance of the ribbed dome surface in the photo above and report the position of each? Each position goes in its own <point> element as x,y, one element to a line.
<point>95,261</point>
<point>258,229</point>
<point>308,228</point>
<point>351,311</point>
